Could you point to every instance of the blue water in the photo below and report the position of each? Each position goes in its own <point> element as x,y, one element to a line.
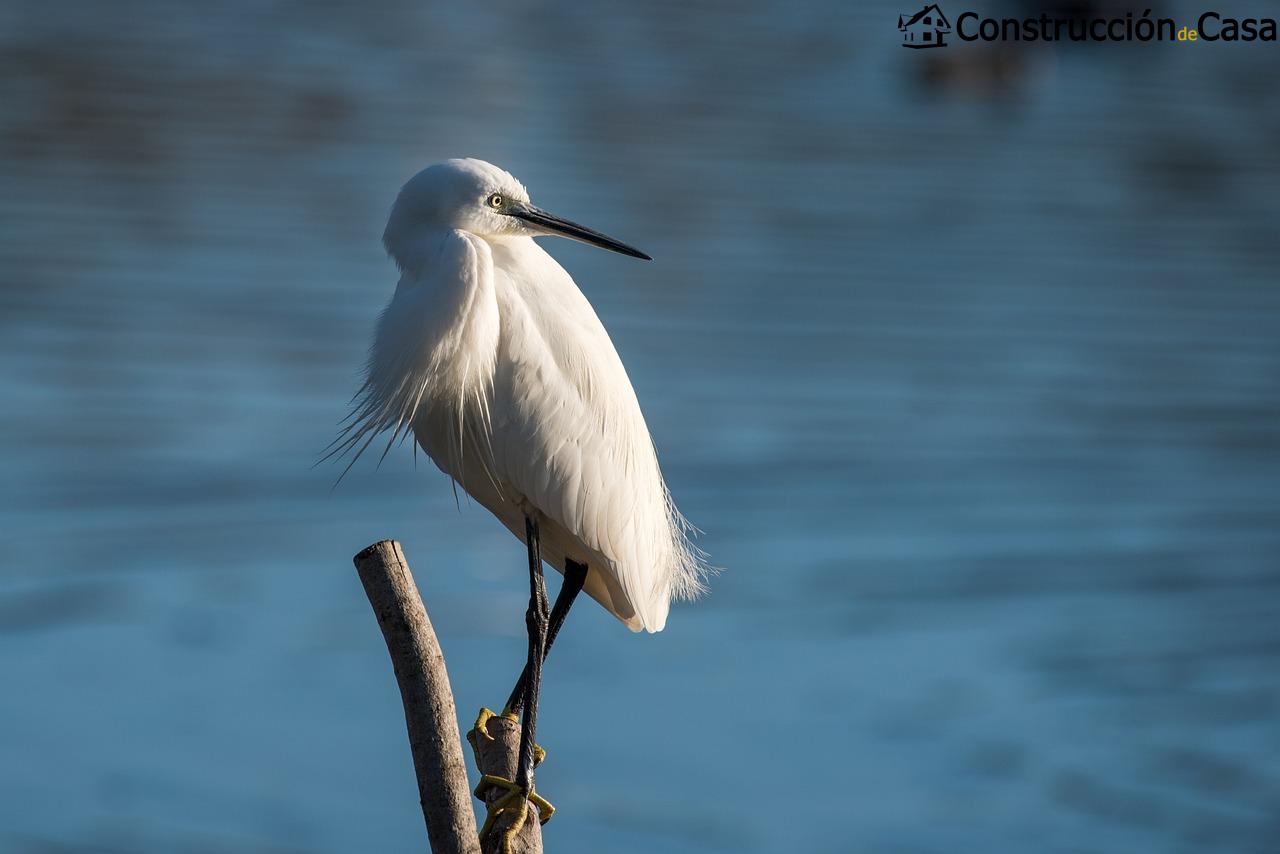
<point>967,365</point>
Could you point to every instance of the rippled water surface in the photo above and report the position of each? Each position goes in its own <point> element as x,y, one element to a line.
<point>967,366</point>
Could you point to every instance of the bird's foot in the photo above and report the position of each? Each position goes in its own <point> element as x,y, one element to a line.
<point>482,726</point>
<point>486,714</point>
<point>515,800</point>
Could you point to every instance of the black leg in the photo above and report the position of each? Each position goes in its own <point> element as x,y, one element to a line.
<point>535,619</point>
<point>575,575</point>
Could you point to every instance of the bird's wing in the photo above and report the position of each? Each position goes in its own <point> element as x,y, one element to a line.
<point>567,433</point>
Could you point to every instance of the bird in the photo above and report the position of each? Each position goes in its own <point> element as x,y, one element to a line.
<point>493,359</point>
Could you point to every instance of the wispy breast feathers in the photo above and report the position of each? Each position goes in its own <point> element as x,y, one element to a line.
<point>435,346</point>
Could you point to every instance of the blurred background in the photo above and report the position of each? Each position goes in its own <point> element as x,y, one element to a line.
<point>965,360</point>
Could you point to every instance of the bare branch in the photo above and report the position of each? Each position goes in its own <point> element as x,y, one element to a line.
<point>428,700</point>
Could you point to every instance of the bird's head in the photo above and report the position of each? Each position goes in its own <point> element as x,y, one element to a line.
<point>478,197</point>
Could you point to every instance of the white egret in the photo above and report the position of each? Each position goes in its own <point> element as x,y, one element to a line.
<point>493,358</point>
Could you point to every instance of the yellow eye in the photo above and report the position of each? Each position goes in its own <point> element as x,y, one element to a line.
<point>495,201</point>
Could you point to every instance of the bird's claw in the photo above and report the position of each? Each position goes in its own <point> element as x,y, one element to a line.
<point>515,798</point>
<point>482,720</point>
<point>482,723</point>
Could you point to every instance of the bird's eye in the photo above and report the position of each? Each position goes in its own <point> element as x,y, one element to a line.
<point>495,201</point>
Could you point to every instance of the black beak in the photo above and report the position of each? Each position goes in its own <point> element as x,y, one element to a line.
<point>552,224</point>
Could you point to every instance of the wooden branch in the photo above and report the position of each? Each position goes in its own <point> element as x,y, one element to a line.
<point>428,700</point>
<point>496,746</point>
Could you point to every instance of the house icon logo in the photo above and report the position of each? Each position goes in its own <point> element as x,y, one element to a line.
<point>926,28</point>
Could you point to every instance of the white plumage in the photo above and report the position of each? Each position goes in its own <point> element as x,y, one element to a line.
<point>495,360</point>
